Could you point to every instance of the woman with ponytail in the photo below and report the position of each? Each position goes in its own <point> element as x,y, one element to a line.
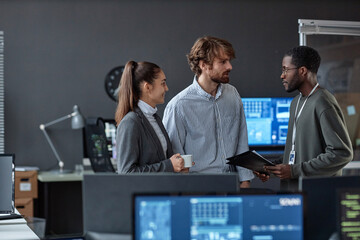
<point>143,144</point>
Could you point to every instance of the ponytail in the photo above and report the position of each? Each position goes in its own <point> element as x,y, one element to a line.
<point>129,94</point>
<point>126,97</point>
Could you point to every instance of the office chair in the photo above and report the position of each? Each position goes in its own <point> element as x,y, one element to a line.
<point>96,146</point>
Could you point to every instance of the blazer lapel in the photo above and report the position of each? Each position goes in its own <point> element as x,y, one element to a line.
<point>151,132</point>
<point>169,151</point>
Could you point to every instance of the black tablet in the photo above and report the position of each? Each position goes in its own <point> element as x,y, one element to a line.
<point>250,160</point>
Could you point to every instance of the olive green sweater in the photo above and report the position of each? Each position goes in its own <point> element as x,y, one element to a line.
<point>322,142</point>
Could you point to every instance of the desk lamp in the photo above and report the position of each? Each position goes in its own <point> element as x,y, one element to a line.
<point>77,122</point>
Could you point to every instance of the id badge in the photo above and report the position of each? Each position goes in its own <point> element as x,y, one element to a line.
<point>292,157</point>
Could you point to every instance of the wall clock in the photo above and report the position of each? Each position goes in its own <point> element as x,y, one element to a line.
<point>112,81</point>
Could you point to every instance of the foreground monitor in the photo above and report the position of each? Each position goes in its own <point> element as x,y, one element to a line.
<point>321,202</point>
<point>229,217</point>
<point>107,198</point>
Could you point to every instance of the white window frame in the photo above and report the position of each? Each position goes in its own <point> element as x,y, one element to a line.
<point>326,27</point>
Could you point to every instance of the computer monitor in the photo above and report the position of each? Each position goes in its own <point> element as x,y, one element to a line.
<point>7,186</point>
<point>225,217</point>
<point>321,201</point>
<point>348,205</point>
<point>107,198</point>
<point>267,120</point>
<point>110,132</point>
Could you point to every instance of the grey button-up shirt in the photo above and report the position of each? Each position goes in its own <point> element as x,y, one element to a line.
<point>210,128</point>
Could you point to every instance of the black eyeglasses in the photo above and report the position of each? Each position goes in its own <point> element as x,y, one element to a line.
<point>285,70</point>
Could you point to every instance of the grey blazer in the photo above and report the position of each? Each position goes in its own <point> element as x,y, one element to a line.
<point>138,147</point>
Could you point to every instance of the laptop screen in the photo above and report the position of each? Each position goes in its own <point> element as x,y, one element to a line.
<point>267,120</point>
<point>262,217</point>
<point>7,172</point>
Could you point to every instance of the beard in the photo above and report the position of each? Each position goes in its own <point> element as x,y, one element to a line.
<point>294,84</point>
<point>220,77</point>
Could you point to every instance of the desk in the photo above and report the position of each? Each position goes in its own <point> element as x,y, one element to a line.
<point>65,177</point>
<point>15,229</point>
<point>60,202</point>
<point>352,168</point>
<point>353,165</point>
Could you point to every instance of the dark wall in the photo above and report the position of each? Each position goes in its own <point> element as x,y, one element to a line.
<point>57,54</point>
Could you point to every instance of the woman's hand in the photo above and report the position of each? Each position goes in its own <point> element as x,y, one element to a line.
<point>177,162</point>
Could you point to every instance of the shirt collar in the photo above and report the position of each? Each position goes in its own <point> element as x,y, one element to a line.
<point>146,108</point>
<point>202,92</point>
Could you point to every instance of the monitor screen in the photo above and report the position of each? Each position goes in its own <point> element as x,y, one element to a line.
<point>349,213</point>
<point>218,217</point>
<point>267,120</point>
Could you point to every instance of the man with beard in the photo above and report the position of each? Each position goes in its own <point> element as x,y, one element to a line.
<point>207,118</point>
<point>317,143</point>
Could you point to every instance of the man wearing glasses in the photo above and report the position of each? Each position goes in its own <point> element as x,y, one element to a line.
<point>317,143</point>
<point>207,118</point>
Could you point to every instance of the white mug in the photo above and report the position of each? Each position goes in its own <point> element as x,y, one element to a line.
<point>188,159</point>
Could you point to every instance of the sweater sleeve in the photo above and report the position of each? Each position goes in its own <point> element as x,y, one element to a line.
<point>338,149</point>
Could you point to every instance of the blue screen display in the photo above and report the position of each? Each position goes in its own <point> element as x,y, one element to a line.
<point>267,120</point>
<point>263,217</point>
